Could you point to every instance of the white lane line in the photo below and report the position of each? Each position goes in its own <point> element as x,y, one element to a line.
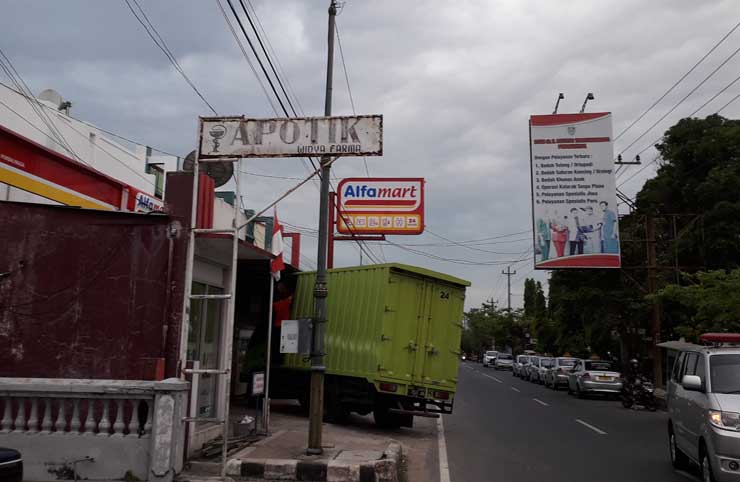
<point>541,402</point>
<point>515,389</point>
<point>493,378</point>
<point>688,475</point>
<point>444,467</point>
<point>595,429</point>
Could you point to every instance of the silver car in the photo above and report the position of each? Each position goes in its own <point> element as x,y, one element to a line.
<point>519,366</point>
<point>704,410</point>
<point>534,365</point>
<point>557,375</point>
<point>539,375</point>
<point>594,376</point>
<point>504,361</point>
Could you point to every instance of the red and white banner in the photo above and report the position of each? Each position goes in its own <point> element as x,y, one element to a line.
<point>380,206</point>
<point>574,201</point>
<point>277,264</point>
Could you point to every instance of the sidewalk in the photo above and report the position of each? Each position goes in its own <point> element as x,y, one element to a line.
<point>359,442</point>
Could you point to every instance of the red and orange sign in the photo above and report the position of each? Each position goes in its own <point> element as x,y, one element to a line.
<point>380,206</point>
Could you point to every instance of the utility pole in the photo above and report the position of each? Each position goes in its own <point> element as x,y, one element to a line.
<point>508,274</point>
<point>652,265</point>
<point>320,292</point>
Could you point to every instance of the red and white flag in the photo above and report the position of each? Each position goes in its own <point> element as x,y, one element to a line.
<point>277,248</point>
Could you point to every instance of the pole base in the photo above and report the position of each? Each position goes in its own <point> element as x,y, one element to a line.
<point>310,451</point>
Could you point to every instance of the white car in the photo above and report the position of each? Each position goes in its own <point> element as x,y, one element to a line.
<point>504,361</point>
<point>489,358</point>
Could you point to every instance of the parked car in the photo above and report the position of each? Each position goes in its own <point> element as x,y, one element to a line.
<point>489,357</point>
<point>11,465</point>
<point>519,366</point>
<point>594,376</point>
<point>557,375</point>
<point>534,365</point>
<point>704,408</point>
<point>504,361</point>
<point>545,365</point>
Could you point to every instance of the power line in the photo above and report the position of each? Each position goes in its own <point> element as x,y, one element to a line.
<point>267,57</point>
<point>724,62</point>
<point>679,81</point>
<point>246,56</point>
<point>17,79</point>
<point>165,50</point>
<point>277,59</point>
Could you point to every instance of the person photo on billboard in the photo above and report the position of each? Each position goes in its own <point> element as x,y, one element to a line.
<point>544,235</point>
<point>587,228</point>
<point>575,237</point>
<point>609,240</point>
<point>559,234</point>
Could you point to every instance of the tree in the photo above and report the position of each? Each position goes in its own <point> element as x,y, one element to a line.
<point>710,304</point>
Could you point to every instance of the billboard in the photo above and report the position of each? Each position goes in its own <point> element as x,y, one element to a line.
<point>380,206</point>
<point>574,201</point>
<point>234,137</point>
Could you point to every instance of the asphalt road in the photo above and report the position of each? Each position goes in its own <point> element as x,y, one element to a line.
<point>507,429</point>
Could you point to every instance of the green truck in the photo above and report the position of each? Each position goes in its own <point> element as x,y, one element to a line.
<point>392,342</point>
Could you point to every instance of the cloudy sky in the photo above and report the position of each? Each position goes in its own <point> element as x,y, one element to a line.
<point>455,82</point>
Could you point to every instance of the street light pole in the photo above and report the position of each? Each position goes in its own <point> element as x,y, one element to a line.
<point>320,292</point>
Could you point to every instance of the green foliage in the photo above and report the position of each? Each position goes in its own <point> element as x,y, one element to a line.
<point>710,304</point>
<point>489,327</point>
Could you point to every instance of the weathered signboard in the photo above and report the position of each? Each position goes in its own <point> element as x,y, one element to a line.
<point>380,206</point>
<point>574,201</point>
<point>232,137</point>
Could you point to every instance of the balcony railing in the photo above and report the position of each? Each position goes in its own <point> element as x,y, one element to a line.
<point>94,429</point>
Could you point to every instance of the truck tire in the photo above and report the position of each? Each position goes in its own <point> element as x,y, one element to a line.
<point>384,419</point>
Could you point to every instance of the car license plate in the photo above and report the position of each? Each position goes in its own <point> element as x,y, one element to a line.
<point>603,379</point>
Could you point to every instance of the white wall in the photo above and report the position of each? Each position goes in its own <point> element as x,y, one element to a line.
<point>94,147</point>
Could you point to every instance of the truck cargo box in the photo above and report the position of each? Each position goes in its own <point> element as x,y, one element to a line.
<point>396,326</point>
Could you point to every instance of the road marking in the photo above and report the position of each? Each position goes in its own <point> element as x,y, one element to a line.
<point>515,389</point>
<point>595,429</point>
<point>541,402</point>
<point>493,378</point>
<point>688,475</point>
<point>444,467</point>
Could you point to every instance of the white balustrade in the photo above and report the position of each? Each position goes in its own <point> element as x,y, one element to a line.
<point>123,425</point>
<point>85,410</point>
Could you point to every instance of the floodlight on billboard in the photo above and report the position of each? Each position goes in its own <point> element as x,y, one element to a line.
<point>574,199</point>
<point>380,206</point>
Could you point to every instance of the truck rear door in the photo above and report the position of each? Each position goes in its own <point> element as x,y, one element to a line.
<point>442,328</point>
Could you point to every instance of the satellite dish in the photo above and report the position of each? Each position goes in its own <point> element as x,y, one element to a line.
<point>52,96</point>
<point>221,171</point>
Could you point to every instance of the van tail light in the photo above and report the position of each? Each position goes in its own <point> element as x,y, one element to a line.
<point>389,387</point>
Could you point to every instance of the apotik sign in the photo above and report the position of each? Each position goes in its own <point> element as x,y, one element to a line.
<point>380,206</point>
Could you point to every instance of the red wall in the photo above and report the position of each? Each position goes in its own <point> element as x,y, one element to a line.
<point>84,293</point>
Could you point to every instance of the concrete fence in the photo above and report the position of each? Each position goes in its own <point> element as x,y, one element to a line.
<point>94,429</point>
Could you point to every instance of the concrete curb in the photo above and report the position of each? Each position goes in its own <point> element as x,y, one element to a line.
<point>383,470</point>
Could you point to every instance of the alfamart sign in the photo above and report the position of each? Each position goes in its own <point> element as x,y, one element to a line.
<point>380,206</point>
<point>234,137</point>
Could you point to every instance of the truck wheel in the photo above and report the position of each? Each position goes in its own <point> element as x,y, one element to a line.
<point>385,419</point>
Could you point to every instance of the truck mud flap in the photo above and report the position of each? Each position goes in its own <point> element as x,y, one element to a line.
<point>414,413</point>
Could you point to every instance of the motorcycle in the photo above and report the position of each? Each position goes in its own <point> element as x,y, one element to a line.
<point>638,392</point>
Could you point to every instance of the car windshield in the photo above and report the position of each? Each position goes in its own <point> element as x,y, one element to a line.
<point>725,373</point>
<point>504,357</point>
<point>546,362</point>
<point>599,366</point>
<point>490,353</point>
<point>566,362</point>
<point>523,359</point>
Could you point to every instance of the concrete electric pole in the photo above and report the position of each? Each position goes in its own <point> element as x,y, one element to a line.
<point>316,411</point>
<point>508,274</point>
